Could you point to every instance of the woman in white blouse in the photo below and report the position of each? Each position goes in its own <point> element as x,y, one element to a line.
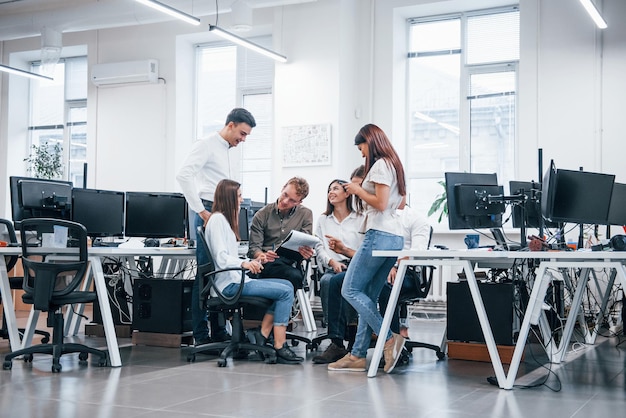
<point>222,231</point>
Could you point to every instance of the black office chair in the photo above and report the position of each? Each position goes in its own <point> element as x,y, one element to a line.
<point>54,255</point>
<point>420,281</point>
<point>7,234</point>
<point>213,300</point>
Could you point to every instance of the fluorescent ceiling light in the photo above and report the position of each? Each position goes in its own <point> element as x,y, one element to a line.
<point>594,13</point>
<point>23,73</point>
<point>171,11</point>
<point>247,44</point>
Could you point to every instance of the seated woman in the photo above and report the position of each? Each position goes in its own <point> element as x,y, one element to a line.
<point>338,231</point>
<point>222,231</point>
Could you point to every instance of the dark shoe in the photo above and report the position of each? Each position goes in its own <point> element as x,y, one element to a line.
<point>332,353</point>
<point>286,356</point>
<point>256,337</point>
<point>221,336</point>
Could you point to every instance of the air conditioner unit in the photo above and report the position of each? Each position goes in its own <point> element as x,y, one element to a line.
<point>128,72</point>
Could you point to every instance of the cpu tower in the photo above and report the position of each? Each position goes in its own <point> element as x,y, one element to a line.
<point>162,306</point>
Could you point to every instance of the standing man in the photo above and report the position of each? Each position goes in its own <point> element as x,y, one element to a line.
<point>211,160</point>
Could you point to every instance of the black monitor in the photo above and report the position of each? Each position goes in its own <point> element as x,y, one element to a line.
<point>40,198</point>
<point>470,203</point>
<point>244,228</point>
<point>576,196</point>
<point>100,211</point>
<point>155,215</point>
<point>617,209</point>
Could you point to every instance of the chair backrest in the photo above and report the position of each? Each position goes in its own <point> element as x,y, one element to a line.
<point>7,234</point>
<point>207,274</point>
<point>55,259</point>
<point>421,277</point>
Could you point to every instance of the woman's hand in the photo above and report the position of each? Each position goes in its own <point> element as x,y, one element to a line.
<point>254,266</point>
<point>337,266</point>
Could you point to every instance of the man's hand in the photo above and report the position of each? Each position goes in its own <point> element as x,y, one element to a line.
<point>306,252</point>
<point>391,277</point>
<point>205,215</point>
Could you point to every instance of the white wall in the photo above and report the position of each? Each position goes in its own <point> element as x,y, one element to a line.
<point>343,69</point>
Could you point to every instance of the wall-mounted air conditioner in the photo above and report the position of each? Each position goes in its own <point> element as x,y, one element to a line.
<point>128,72</point>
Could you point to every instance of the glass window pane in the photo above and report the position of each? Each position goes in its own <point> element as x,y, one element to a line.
<point>217,87</point>
<point>77,126</point>
<point>77,80</point>
<point>492,119</point>
<point>47,100</point>
<point>434,100</point>
<point>440,35</point>
<point>256,161</point>
<point>493,38</point>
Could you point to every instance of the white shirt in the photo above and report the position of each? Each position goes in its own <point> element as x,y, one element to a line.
<point>223,247</point>
<point>416,229</point>
<point>387,220</point>
<point>347,231</point>
<point>211,160</point>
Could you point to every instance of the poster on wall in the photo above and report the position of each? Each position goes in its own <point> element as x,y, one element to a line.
<point>306,145</point>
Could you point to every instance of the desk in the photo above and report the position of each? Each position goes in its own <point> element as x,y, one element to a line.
<point>586,261</point>
<point>171,257</point>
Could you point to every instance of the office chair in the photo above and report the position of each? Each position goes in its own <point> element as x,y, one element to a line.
<point>7,234</point>
<point>55,259</point>
<point>421,279</point>
<point>212,299</point>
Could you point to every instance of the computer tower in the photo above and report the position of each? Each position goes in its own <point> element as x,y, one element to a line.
<point>161,305</point>
<point>463,324</point>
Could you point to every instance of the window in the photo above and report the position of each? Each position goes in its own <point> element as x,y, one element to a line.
<point>462,98</point>
<point>230,76</point>
<point>58,114</point>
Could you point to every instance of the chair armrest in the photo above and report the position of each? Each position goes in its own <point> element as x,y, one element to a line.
<point>207,287</point>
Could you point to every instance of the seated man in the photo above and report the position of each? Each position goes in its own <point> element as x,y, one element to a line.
<point>271,225</point>
<point>416,237</point>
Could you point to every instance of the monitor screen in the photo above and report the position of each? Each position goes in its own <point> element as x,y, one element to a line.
<point>578,196</point>
<point>468,205</point>
<point>155,215</point>
<point>617,209</point>
<point>100,211</point>
<point>40,198</point>
<point>244,228</point>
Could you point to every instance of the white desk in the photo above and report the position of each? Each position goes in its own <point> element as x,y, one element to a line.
<point>586,261</point>
<point>171,257</point>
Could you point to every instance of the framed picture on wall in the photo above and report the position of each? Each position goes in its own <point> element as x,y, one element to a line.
<point>306,145</point>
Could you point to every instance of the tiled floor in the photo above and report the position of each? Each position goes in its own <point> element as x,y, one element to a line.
<point>159,382</point>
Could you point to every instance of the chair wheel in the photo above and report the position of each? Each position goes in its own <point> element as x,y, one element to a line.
<point>441,355</point>
<point>294,343</point>
<point>191,358</point>
<point>270,359</point>
<point>83,356</point>
<point>45,340</point>
<point>221,362</point>
<point>102,362</point>
<point>7,365</point>
<point>28,358</point>
<point>56,368</point>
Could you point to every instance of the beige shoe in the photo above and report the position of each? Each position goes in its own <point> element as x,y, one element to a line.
<point>391,352</point>
<point>348,364</point>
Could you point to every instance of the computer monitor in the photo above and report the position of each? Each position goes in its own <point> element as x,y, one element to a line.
<point>469,203</point>
<point>244,228</point>
<point>100,211</point>
<point>617,209</point>
<point>39,198</point>
<point>577,196</point>
<point>155,215</point>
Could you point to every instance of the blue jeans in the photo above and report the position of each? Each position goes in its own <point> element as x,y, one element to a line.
<point>279,290</point>
<point>364,279</point>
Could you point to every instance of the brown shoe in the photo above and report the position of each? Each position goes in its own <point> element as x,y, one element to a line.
<point>332,353</point>
<point>392,351</point>
<point>348,364</point>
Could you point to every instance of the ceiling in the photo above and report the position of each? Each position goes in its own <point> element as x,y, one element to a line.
<point>26,18</point>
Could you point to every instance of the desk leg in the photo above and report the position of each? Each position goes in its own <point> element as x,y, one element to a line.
<point>31,325</point>
<point>105,311</point>
<point>391,306</point>
<point>9,308</point>
<point>306,311</point>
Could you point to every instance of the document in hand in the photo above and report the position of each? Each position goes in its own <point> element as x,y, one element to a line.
<point>295,240</point>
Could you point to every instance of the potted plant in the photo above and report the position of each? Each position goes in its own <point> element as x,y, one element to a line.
<point>440,204</point>
<point>45,161</point>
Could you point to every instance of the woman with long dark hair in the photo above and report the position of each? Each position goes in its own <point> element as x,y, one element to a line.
<point>222,233</point>
<point>382,192</point>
